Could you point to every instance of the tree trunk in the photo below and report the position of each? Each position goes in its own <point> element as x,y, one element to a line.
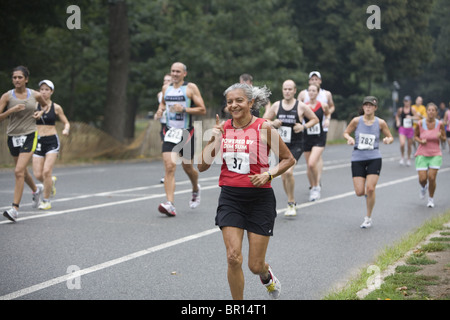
<point>119,56</point>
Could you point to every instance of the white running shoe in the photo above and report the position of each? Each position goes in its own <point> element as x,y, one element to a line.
<point>402,162</point>
<point>408,163</point>
<point>273,286</point>
<point>195,200</point>
<point>11,214</point>
<point>423,191</point>
<point>367,223</point>
<point>314,193</point>
<point>430,203</point>
<point>37,195</point>
<point>291,210</point>
<point>167,208</point>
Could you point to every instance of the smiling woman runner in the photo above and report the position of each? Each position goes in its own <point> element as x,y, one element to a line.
<point>19,105</point>
<point>247,201</point>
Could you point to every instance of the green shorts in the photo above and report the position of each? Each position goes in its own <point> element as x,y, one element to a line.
<point>425,163</point>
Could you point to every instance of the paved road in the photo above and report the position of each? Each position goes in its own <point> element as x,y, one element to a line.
<point>104,238</point>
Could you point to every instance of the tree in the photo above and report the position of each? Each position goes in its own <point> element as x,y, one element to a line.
<point>115,119</point>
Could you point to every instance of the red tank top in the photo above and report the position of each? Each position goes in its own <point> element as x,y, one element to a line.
<point>243,154</point>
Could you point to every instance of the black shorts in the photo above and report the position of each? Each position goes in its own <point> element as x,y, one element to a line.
<point>22,144</point>
<point>185,148</point>
<point>47,144</point>
<point>296,149</point>
<point>366,167</point>
<point>314,141</point>
<point>251,209</point>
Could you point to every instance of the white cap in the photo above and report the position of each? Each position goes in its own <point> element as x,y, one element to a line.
<point>49,83</point>
<point>315,73</point>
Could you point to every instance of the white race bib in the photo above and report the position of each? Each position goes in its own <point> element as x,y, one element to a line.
<point>407,123</point>
<point>174,135</point>
<point>238,162</point>
<point>366,141</point>
<point>314,130</point>
<point>19,141</point>
<point>285,134</point>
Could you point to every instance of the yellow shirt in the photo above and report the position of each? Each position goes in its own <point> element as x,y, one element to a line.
<point>421,111</point>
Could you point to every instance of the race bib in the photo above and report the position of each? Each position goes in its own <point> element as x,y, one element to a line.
<point>285,134</point>
<point>238,162</point>
<point>174,135</point>
<point>366,141</point>
<point>19,141</point>
<point>314,130</point>
<point>407,123</point>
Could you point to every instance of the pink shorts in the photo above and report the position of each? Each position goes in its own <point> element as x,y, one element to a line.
<point>408,132</point>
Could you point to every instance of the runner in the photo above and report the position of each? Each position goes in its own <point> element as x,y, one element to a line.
<point>19,105</point>
<point>163,119</point>
<point>404,118</point>
<point>47,149</point>
<point>421,113</point>
<point>247,201</point>
<point>287,116</point>
<point>315,140</point>
<point>182,100</point>
<point>428,155</point>
<point>324,97</point>
<point>366,156</point>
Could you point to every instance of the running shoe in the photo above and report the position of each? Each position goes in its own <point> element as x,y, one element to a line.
<point>195,200</point>
<point>291,210</point>
<point>45,205</point>
<point>430,203</point>
<point>11,214</point>
<point>167,208</point>
<point>314,193</point>
<point>37,195</point>
<point>367,223</point>
<point>408,163</point>
<point>273,286</point>
<point>402,162</point>
<point>423,191</point>
<point>53,186</point>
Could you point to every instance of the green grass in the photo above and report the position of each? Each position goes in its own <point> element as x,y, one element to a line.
<point>388,257</point>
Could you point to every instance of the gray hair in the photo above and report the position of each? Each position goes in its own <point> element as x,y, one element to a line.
<point>259,94</point>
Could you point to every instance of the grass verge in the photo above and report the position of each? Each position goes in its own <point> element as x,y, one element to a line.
<point>390,256</point>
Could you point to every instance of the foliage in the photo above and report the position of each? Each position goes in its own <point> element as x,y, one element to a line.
<point>219,39</point>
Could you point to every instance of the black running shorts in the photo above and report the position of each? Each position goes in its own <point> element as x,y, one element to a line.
<point>22,144</point>
<point>366,167</point>
<point>251,209</point>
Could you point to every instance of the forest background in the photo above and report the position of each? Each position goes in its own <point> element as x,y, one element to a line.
<point>108,59</point>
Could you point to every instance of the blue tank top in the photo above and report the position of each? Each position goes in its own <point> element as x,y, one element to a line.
<point>367,140</point>
<point>174,96</point>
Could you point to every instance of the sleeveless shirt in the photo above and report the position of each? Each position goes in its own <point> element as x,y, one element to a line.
<point>367,139</point>
<point>243,154</point>
<point>431,148</point>
<point>22,122</point>
<point>48,118</point>
<point>173,96</point>
<point>288,119</point>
